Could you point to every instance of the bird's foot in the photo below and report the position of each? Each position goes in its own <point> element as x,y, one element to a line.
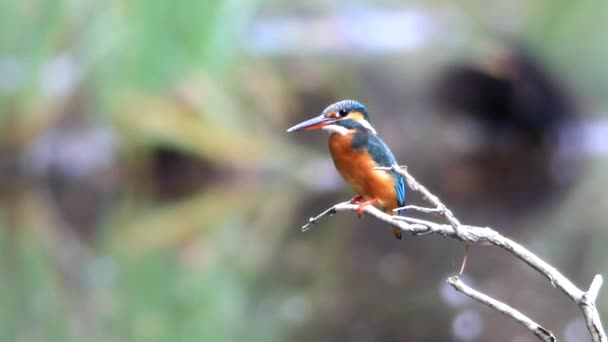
<point>365,204</point>
<point>356,199</point>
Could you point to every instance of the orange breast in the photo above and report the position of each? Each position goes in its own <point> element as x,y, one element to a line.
<point>357,169</point>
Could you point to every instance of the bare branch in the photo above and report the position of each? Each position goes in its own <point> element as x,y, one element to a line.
<point>314,220</point>
<point>434,200</point>
<point>594,288</point>
<point>484,236</point>
<point>592,316</point>
<point>420,209</point>
<point>542,333</point>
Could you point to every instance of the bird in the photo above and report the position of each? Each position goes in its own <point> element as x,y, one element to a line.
<point>357,151</point>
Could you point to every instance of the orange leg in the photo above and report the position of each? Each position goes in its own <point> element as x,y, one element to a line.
<point>356,199</point>
<point>364,204</point>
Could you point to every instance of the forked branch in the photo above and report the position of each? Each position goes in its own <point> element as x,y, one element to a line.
<point>585,300</point>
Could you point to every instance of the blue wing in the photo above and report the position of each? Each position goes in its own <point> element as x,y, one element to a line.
<point>400,187</point>
<point>384,157</point>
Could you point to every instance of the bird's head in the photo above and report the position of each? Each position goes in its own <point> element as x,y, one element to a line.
<point>339,117</point>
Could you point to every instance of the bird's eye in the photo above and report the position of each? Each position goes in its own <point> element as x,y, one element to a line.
<point>342,113</point>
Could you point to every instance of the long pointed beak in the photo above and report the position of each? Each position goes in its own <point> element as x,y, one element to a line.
<point>314,123</point>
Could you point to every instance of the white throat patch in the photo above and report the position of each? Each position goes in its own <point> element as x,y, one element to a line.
<point>331,129</point>
<point>367,125</point>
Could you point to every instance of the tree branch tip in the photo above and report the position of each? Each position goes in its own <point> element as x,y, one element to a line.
<point>453,280</point>
<point>597,282</point>
<point>594,288</point>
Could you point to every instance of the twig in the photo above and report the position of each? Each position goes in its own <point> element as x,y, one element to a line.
<point>480,235</point>
<point>594,288</point>
<point>434,200</point>
<point>420,209</point>
<point>542,333</point>
<point>314,220</point>
<point>465,256</point>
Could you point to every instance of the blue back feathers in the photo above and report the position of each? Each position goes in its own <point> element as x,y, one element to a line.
<point>381,154</point>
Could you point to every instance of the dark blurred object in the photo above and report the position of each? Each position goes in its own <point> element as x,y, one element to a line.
<point>74,159</point>
<point>520,113</point>
<point>513,94</point>
<point>178,174</point>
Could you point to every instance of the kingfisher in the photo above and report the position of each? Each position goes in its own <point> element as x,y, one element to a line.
<point>356,151</point>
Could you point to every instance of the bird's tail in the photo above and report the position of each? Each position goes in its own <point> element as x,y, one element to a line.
<point>396,231</point>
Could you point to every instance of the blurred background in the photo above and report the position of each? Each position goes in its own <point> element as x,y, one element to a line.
<point>150,192</point>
